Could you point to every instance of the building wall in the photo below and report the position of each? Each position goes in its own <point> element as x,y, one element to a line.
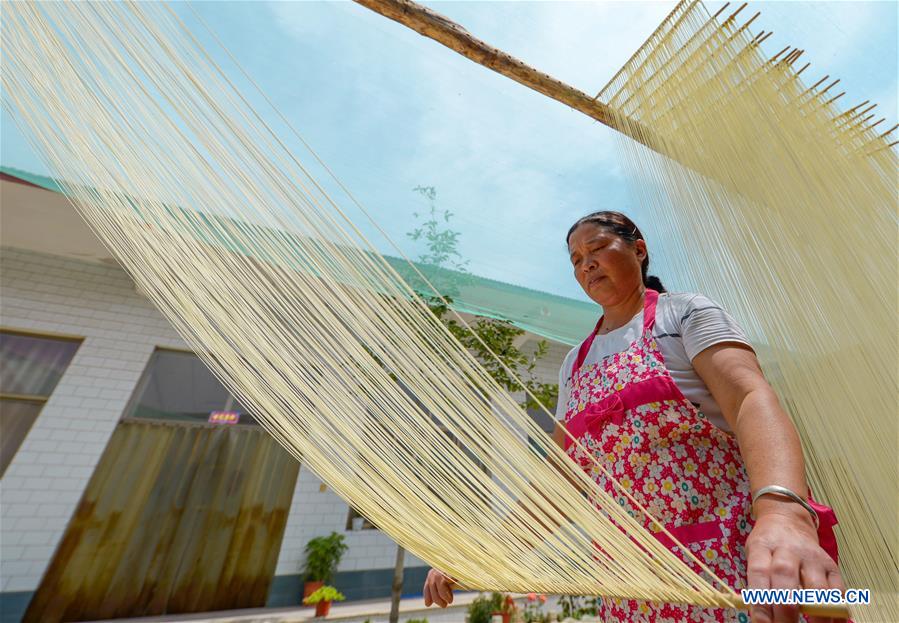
<point>42,485</point>
<point>120,330</point>
<point>547,369</point>
<point>317,511</point>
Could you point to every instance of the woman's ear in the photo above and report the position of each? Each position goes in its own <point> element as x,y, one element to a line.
<point>640,247</point>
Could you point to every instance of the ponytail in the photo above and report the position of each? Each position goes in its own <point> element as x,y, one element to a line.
<point>653,283</point>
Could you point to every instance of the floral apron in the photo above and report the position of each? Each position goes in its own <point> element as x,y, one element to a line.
<point>629,415</point>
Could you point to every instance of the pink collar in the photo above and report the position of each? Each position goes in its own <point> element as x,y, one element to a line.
<point>650,301</point>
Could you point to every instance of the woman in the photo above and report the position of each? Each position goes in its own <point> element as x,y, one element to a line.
<point>668,394</point>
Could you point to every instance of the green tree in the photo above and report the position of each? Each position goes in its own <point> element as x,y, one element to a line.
<point>484,335</point>
<point>442,244</point>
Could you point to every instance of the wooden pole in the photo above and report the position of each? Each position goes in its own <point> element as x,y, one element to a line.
<point>396,589</point>
<point>447,32</point>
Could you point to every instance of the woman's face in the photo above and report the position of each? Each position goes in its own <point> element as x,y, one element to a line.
<point>606,265</point>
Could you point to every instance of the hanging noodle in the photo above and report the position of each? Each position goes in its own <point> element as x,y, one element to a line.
<point>784,208</point>
<point>284,299</point>
<point>289,305</point>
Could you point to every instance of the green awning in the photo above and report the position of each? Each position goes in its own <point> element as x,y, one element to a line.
<point>554,317</point>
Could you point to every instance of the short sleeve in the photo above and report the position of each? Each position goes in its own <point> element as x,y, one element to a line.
<point>564,388</point>
<point>704,323</point>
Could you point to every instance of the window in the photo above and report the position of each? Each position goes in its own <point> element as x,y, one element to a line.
<point>30,368</point>
<point>177,386</point>
<point>357,521</point>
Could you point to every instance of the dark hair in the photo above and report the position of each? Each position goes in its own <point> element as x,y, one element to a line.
<point>623,227</point>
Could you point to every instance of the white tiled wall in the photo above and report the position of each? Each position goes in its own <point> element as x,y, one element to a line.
<point>318,513</point>
<point>44,482</point>
<point>547,368</point>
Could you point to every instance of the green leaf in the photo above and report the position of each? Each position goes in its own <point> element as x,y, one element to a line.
<point>325,593</point>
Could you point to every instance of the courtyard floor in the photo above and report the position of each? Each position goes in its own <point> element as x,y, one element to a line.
<point>377,611</point>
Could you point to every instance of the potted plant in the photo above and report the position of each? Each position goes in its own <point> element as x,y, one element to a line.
<point>323,554</point>
<point>482,608</point>
<point>533,610</point>
<point>322,599</point>
<point>506,608</point>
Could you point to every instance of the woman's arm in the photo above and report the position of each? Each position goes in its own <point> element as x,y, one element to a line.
<point>782,549</point>
<point>768,441</point>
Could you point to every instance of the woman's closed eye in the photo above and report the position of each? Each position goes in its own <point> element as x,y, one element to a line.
<point>577,259</point>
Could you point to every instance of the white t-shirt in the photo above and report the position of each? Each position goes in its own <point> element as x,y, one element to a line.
<point>686,325</point>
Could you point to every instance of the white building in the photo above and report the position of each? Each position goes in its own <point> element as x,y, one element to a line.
<point>86,356</point>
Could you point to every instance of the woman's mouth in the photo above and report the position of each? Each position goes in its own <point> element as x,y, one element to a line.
<point>594,280</point>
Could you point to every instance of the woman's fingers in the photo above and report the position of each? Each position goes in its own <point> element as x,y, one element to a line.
<point>437,590</point>
<point>814,576</point>
<point>783,554</point>
<point>430,591</point>
<point>758,575</point>
<point>785,574</point>
<point>834,577</point>
<point>446,591</point>
<point>426,592</point>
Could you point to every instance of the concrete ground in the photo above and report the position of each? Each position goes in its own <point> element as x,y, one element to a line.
<point>377,611</point>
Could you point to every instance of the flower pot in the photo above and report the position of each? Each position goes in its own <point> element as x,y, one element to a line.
<point>311,587</point>
<point>322,608</point>
<point>506,616</point>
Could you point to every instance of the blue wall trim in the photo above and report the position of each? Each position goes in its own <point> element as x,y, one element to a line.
<point>287,590</point>
<point>13,605</point>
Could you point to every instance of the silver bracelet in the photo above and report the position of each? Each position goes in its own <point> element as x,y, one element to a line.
<point>783,491</point>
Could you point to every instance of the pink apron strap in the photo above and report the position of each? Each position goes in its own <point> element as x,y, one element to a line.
<point>650,300</point>
<point>585,348</point>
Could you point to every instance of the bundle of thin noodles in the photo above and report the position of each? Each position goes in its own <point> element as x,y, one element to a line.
<point>265,277</point>
<point>784,208</point>
<point>268,280</point>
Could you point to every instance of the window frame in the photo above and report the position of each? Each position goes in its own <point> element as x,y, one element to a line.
<point>37,399</point>
<point>137,393</point>
<point>367,525</point>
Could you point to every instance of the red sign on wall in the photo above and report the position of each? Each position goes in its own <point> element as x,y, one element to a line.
<point>224,417</point>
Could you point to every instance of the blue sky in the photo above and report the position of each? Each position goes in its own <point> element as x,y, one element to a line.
<point>389,110</point>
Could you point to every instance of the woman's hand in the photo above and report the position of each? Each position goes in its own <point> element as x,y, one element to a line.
<point>783,552</point>
<point>438,589</point>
